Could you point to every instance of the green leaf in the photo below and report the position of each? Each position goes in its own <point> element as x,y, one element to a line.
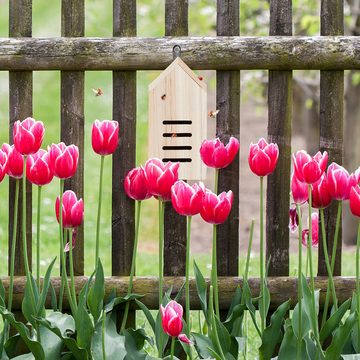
<point>304,319</point>
<point>236,300</point>
<point>201,289</point>
<point>114,343</point>
<point>84,327</point>
<point>28,307</point>
<point>53,298</point>
<point>307,297</point>
<point>334,321</point>
<point>28,356</point>
<point>223,336</point>
<point>66,337</point>
<point>354,330</point>
<point>264,302</point>
<point>235,320</point>
<point>96,294</point>
<point>160,337</point>
<point>147,314</point>
<point>351,357</point>
<point>340,336</point>
<point>40,310</point>
<point>180,293</point>
<point>250,306</point>
<point>272,334</point>
<point>34,346</point>
<point>288,348</point>
<point>202,345</point>
<point>134,344</point>
<point>2,295</point>
<point>121,300</point>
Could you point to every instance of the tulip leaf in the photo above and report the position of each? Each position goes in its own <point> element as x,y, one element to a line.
<point>340,336</point>
<point>288,348</point>
<point>40,310</point>
<point>84,327</point>
<point>202,345</point>
<point>28,356</point>
<point>351,357</point>
<point>201,290</point>
<point>235,301</point>
<point>28,307</point>
<point>334,320</point>
<point>223,336</point>
<point>307,302</point>
<point>54,305</point>
<point>147,314</point>
<point>264,302</point>
<point>120,300</point>
<point>272,334</point>
<point>96,294</point>
<point>34,346</point>
<point>235,320</point>
<point>134,344</point>
<point>63,326</point>
<point>304,319</point>
<point>160,336</point>
<point>2,295</point>
<point>114,343</point>
<point>249,305</point>
<point>354,330</point>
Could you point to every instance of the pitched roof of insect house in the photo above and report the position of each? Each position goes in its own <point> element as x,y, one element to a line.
<point>177,119</point>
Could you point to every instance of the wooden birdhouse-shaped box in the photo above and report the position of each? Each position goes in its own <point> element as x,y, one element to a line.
<point>177,119</point>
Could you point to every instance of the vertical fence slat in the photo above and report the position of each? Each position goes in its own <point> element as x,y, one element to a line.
<point>176,24</point>
<point>20,107</point>
<point>331,121</point>
<point>279,131</point>
<point>72,112</point>
<point>227,125</point>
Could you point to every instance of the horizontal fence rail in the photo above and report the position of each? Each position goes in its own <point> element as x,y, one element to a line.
<point>282,288</point>
<point>205,53</point>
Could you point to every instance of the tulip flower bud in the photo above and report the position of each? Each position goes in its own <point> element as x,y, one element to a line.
<point>214,154</point>
<point>216,208</point>
<point>28,135</point>
<point>135,184</point>
<point>263,157</point>
<point>105,136</point>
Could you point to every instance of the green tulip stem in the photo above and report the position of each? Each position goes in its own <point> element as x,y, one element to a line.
<point>26,260</point>
<point>38,237</point>
<point>298,210</point>
<point>99,210</point>
<point>187,272</point>
<point>333,256</point>
<point>133,263</point>
<point>215,335</point>
<point>249,249</point>
<point>13,244</point>
<point>262,272</point>
<point>358,279</point>
<point>214,278</point>
<point>172,347</point>
<point>71,264</point>
<point>161,249</point>
<point>103,323</point>
<point>64,279</point>
<point>312,283</point>
<point>331,284</point>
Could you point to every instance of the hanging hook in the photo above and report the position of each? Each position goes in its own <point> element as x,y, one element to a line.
<point>176,51</point>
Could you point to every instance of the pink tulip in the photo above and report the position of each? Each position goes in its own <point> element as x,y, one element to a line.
<point>38,168</point>
<point>293,219</point>
<point>72,210</point>
<point>160,177</point>
<point>28,135</point>
<point>309,169</point>
<point>214,154</point>
<point>172,321</point>
<point>64,160</point>
<point>216,209</point>
<point>314,231</point>
<point>355,200</point>
<point>3,164</point>
<point>339,181</point>
<point>187,200</point>
<point>263,157</point>
<point>135,184</point>
<point>15,161</point>
<point>299,190</point>
<point>321,197</point>
<point>105,136</point>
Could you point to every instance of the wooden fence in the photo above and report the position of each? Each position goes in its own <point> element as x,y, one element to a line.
<point>227,53</point>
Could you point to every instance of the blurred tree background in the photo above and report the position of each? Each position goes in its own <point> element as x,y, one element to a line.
<point>254,16</point>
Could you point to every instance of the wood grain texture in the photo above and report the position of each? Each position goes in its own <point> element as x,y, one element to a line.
<point>20,107</point>
<point>205,53</point>
<point>279,131</point>
<point>227,125</point>
<point>175,224</point>
<point>331,121</point>
<point>281,289</point>
<point>72,113</point>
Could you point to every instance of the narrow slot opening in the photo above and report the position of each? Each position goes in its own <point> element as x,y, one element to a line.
<point>177,134</point>
<point>177,122</point>
<point>177,147</point>
<point>177,159</point>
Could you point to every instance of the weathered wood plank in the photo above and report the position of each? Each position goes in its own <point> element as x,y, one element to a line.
<point>227,125</point>
<point>124,111</point>
<point>281,289</point>
<point>175,224</point>
<point>279,131</point>
<point>219,53</point>
<point>331,121</point>
<point>72,113</point>
<point>20,107</point>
